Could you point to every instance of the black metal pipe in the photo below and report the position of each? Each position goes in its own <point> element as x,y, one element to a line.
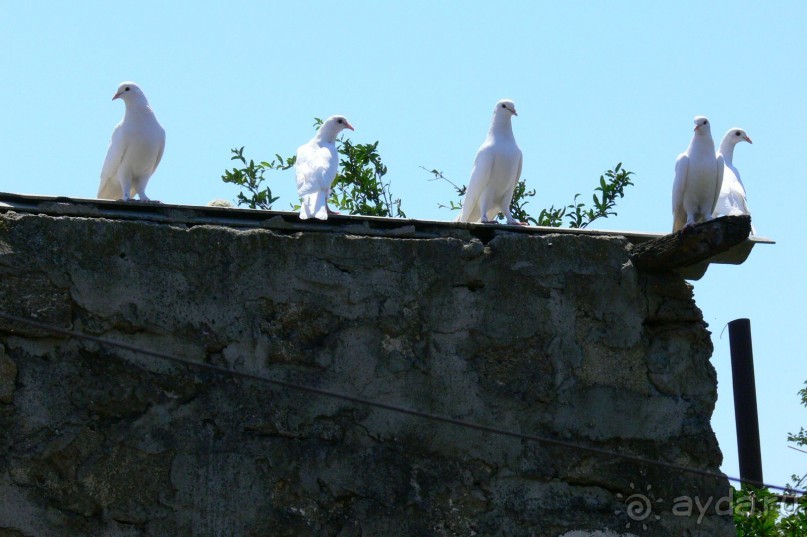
<point>745,401</point>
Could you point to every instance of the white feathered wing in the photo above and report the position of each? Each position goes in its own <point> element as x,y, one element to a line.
<point>316,169</point>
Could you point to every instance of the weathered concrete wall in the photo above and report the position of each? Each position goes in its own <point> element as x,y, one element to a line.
<point>553,335</point>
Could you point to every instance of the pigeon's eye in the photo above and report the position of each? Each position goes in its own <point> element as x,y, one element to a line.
<point>340,121</point>
<point>504,106</point>
<point>127,88</point>
<point>737,133</point>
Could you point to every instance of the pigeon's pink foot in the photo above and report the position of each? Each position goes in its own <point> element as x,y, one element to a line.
<point>686,229</point>
<point>332,212</point>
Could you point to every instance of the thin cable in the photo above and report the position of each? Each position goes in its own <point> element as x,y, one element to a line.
<point>386,406</point>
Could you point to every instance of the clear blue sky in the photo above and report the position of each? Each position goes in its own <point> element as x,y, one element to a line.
<point>594,83</point>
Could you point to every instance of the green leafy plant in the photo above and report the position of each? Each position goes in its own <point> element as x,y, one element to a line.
<point>359,187</point>
<point>519,202</point>
<point>517,205</point>
<point>755,512</point>
<point>250,178</point>
<point>800,438</point>
<point>795,524</point>
<point>760,513</point>
<point>460,189</point>
<point>612,187</point>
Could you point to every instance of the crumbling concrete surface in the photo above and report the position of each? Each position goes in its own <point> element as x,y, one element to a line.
<point>550,335</point>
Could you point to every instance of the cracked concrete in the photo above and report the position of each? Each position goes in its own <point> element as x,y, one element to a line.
<point>549,335</point>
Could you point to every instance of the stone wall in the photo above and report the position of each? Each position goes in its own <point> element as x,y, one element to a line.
<point>554,335</point>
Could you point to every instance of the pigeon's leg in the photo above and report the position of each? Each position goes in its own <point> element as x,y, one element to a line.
<point>512,221</point>
<point>504,203</point>
<point>484,209</point>
<point>691,221</point>
<point>320,205</point>
<point>125,183</point>
<point>305,214</point>
<point>330,211</point>
<point>139,184</point>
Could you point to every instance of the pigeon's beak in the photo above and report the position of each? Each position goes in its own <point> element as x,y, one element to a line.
<point>696,127</point>
<point>349,126</point>
<point>747,139</point>
<point>514,112</point>
<point>117,95</point>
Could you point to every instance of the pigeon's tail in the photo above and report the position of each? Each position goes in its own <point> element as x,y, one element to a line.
<point>314,205</point>
<point>679,220</point>
<point>470,211</point>
<point>109,189</point>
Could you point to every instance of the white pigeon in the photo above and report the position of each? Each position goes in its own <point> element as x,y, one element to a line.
<point>316,166</point>
<point>732,200</point>
<point>218,202</point>
<point>135,149</point>
<point>698,177</point>
<point>496,171</point>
